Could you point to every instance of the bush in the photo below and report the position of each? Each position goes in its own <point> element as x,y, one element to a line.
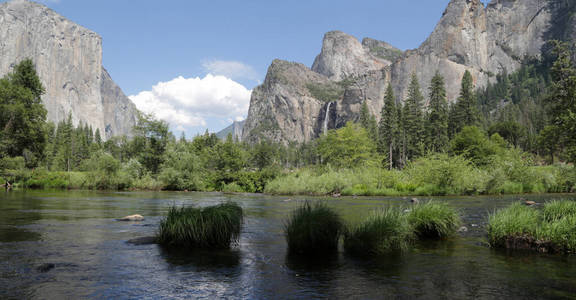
<point>384,231</point>
<point>512,222</point>
<point>214,227</point>
<point>313,229</point>
<point>12,163</point>
<point>434,220</point>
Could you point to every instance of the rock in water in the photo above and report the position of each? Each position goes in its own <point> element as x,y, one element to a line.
<point>43,268</point>
<point>132,218</point>
<point>68,59</point>
<point>529,203</point>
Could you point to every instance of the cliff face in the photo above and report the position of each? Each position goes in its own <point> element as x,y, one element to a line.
<point>483,40</point>
<point>68,60</point>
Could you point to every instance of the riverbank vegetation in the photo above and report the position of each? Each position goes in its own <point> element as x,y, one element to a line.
<point>515,135</point>
<point>213,227</point>
<point>551,229</point>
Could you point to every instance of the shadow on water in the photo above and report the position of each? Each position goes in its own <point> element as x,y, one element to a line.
<point>9,234</point>
<point>216,260</point>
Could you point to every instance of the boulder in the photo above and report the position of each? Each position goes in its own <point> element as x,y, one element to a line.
<point>132,218</point>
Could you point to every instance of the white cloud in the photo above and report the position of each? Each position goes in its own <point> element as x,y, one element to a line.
<point>188,102</point>
<point>231,69</point>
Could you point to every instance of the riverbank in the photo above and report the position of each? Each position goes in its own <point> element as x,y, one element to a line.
<point>434,175</point>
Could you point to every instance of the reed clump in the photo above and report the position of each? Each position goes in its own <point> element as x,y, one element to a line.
<point>434,220</point>
<point>213,227</point>
<point>313,229</point>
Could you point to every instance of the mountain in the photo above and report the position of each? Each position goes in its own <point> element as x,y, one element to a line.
<point>68,59</point>
<point>297,103</point>
<point>235,129</point>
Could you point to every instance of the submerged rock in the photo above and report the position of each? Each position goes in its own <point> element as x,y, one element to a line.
<point>530,203</point>
<point>415,201</point>
<point>145,240</point>
<point>43,268</point>
<point>463,229</point>
<point>131,218</point>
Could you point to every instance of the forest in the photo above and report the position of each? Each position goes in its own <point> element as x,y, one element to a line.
<point>516,135</point>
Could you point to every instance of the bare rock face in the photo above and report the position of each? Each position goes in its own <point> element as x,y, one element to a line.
<point>343,56</point>
<point>68,60</point>
<point>469,37</point>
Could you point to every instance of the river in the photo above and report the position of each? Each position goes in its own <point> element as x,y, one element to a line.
<point>75,234</point>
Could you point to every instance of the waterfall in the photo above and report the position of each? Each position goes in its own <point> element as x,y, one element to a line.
<point>326,118</point>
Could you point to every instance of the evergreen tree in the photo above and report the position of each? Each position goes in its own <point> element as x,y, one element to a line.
<point>563,99</point>
<point>413,120</point>
<point>22,115</point>
<point>437,125</point>
<point>389,131</point>
<point>465,111</point>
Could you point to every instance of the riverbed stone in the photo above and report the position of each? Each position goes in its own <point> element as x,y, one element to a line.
<point>132,218</point>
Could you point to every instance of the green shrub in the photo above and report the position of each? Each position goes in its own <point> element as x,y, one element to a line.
<point>434,220</point>
<point>12,163</point>
<point>313,229</point>
<point>556,210</point>
<point>232,187</point>
<point>214,227</point>
<point>514,221</point>
<point>384,231</point>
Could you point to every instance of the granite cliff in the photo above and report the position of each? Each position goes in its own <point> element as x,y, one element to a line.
<point>68,60</point>
<point>297,103</point>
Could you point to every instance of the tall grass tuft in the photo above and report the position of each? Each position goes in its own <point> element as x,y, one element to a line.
<point>514,221</point>
<point>561,233</point>
<point>556,210</point>
<point>214,227</point>
<point>433,220</point>
<point>313,229</point>
<point>384,231</point>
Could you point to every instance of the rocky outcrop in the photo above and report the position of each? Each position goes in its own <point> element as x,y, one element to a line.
<point>68,60</point>
<point>235,130</point>
<point>485,40</point>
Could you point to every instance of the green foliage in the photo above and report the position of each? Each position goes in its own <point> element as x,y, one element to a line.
<point>22,115</point>
<point>437,121</point>
<point>389,129</point>
<point>368,122</point>
<point>347,147</point>
<point>465,112</point>
<point>151,138</point>
<point>549,230</point>
<point>473,144</point>
<point>440,174</point>
<point>213,227</point>
<point>434,220</point>
<point>516,220</point>
<point>327,92</point>
<point>313,229</point>
<point>556,210</point>
<point>386,230</point>
<point>413,121</point>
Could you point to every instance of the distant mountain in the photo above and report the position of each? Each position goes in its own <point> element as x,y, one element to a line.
<point>68,59</point>
<point>297,103</point>
<point>235,129</point>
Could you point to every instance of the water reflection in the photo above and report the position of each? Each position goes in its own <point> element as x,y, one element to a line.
<point>201,259</point>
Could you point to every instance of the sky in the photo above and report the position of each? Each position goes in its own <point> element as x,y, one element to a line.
<point>194,63</point>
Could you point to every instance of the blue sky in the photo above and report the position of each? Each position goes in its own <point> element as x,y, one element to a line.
<point>179,42</point>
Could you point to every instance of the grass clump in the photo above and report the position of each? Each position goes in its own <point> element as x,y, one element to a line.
<point>313,229</point>
<point>434,220</point>
<point>556,210</point>
<point>213,227</point>
<point>384,231</point>
<point>560,234</point>
<point>513,222</point>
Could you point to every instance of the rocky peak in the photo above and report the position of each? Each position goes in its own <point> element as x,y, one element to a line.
<point>343,56</point>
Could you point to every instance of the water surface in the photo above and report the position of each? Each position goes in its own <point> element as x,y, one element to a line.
<point>78,234</point>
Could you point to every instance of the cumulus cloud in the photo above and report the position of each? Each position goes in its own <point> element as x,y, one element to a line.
<point>188,102</point>
<point>231,69</point>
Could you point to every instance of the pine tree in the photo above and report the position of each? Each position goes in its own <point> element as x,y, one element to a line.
<point>437,125</point>
<point>562,99</point>
<point>413,120</point>
<point>465,111</point>
<point>389,131</point>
